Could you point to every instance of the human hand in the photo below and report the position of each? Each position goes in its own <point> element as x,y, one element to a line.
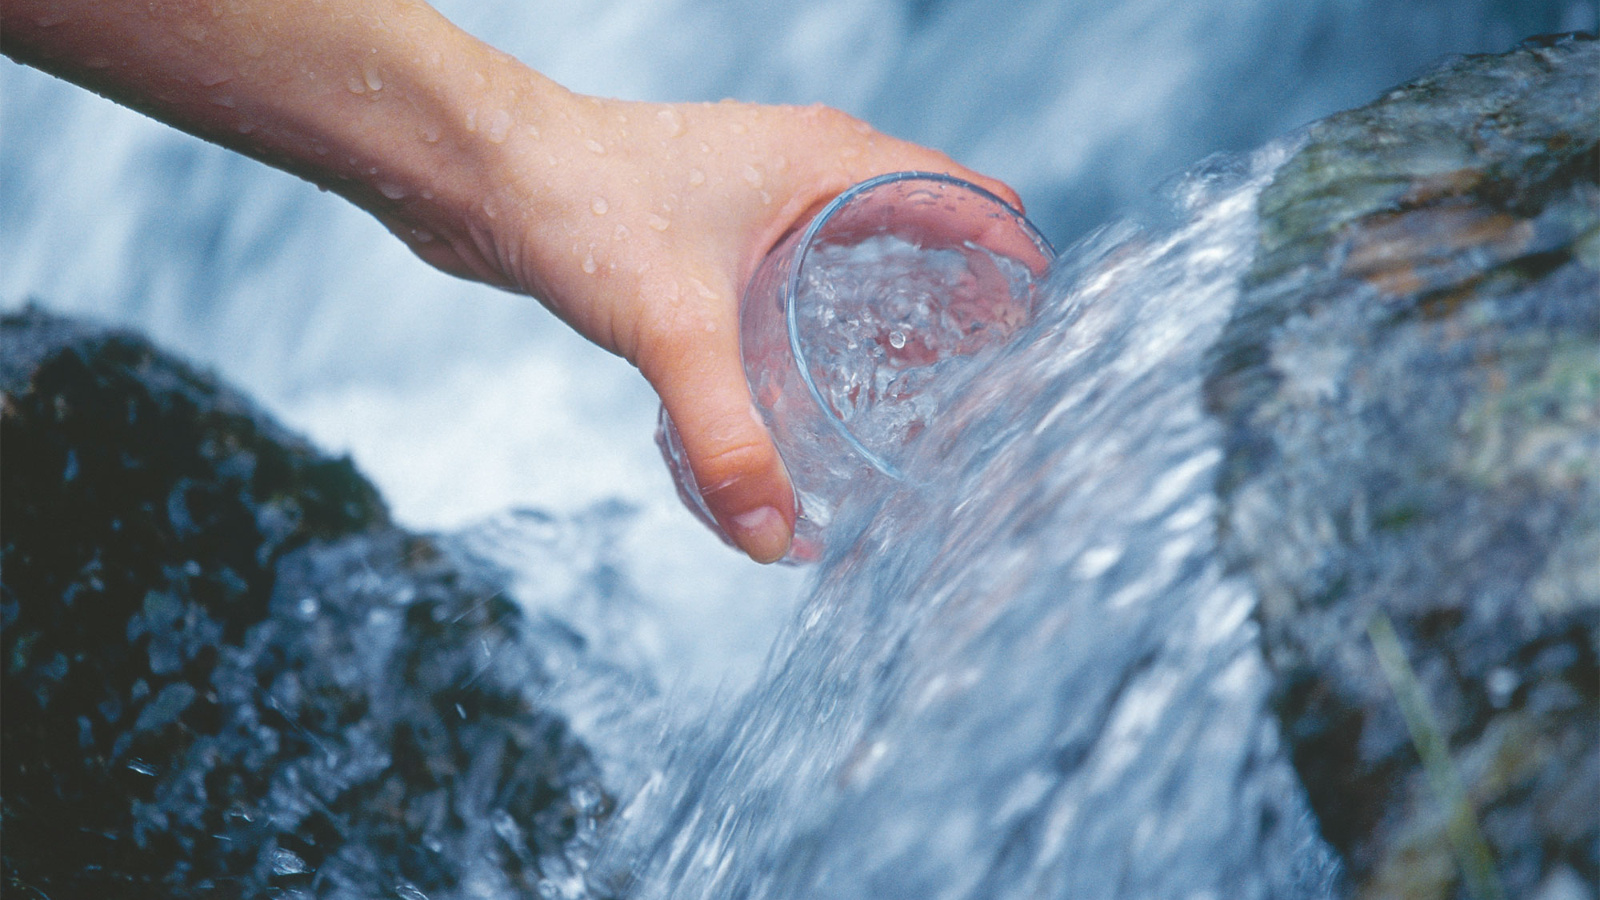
<point>639,224</point>
<point>636,223</point>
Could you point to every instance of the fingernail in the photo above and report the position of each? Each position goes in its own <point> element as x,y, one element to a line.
<point>762,533</point>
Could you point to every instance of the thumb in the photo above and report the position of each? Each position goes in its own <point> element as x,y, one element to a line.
<point>698,374</point>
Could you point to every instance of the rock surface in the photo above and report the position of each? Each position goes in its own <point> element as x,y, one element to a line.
<point>226,672</point>
<point>1411,391</point>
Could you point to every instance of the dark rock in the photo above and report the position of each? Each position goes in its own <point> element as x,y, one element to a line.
<point>227,674</point>
<point>1411,392</point>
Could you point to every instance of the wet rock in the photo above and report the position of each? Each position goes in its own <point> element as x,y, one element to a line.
<point>1410,388</point>
<point>226,672</point>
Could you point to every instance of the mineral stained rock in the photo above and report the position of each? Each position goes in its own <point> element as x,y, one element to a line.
<point>227,674</point>
<point>1410,388</point>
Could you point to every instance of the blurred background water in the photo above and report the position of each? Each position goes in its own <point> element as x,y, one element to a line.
<point>462,402</point>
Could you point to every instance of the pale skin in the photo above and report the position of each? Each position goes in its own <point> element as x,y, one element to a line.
<point>637,223</point>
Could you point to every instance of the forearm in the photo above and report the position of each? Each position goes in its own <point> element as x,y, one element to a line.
<point>636,223</point>
<point>382,101</point>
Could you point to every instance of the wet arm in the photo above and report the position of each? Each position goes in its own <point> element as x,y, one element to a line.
<point>637,223</point>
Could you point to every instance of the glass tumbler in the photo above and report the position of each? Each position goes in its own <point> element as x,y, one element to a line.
<point>856,317</point>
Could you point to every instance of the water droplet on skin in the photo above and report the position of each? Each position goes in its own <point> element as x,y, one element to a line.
<point>595,146</point>
<point>373,78</point>
<point>766,198</point>
<point>589,266</point>
<point>372,170</point>
<point>670,120</point>
<point>356,85</point>
<point>319,149</point>
<point>599,206</point>
<point>499,126</point>
<point>246,127</point>
<point>897,339</point>
<point>427,195</point>
<point>781,164</point>
<point>659,223</point>
<point>489,209</point>
<point>212,79</point>
<point>862,128</point>
<point>532,130</point>
<point>738,128</point>
<point>392,191</point>
<point>421,237</point>
<point>697,177</point>
<point>430,133</point>
<point>705,147</point>
<point>223,100</point>
<point>701,289</point>
<point>753,176</point>
<point>621,234</point>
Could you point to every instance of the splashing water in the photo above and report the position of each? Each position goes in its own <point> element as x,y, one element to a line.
<point>1030,676</point>
<point>883,321</point>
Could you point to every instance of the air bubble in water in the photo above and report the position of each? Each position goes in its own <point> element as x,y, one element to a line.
<point>897,339</point>
<point>286,862</point>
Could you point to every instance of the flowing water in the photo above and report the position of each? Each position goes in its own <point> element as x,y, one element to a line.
<point>1029,674</point>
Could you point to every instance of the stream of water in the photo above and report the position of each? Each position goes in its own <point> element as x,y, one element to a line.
<point>1029,675</point>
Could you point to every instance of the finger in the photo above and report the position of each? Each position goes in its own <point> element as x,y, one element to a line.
<point>907,157</point>
<point>696,370</point>
<point>937,214</point>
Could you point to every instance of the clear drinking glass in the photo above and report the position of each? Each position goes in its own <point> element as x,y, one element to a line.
<point>856,315</point>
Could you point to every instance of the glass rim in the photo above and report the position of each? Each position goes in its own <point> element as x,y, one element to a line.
<point>803,249</point>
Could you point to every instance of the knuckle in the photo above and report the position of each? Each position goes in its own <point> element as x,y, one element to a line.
<point>734,463</point>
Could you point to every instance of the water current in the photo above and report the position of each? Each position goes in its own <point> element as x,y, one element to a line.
<point>1028,675</point>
